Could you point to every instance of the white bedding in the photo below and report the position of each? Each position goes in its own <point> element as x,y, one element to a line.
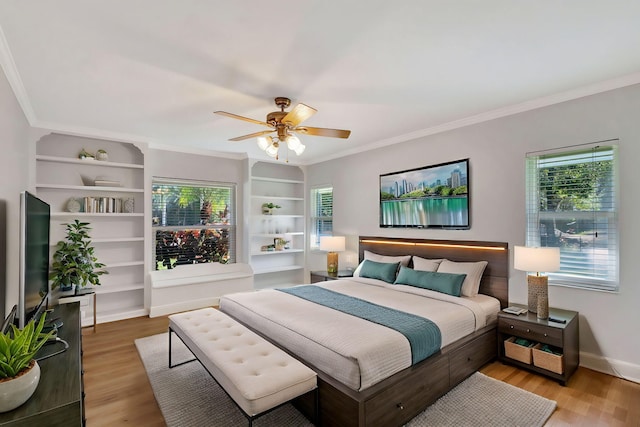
<point>354,351</point>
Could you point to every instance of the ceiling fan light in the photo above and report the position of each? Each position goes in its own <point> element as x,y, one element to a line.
<point>300,149</point>
<point>272,150</point>
<point>293,142</point>
<point>264,142</point>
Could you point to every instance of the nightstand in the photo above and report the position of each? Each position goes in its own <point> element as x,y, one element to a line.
<point>563,336</point>
<point>323,276</point>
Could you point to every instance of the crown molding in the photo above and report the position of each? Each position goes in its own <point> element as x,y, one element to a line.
<point>10,70</point>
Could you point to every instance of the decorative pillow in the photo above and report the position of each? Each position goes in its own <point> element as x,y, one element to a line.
<point>402,260</point>
<point>446,283</point>
<point>379,270</point>
<point>473,270</point>
<point>424,264</point>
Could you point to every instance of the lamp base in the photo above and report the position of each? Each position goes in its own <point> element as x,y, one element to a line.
<point>332,263</point>
<point>538,295</point>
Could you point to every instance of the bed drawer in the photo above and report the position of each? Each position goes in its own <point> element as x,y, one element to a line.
<point>531,331</point>
<point>402,401</point>
<point>471,356</point>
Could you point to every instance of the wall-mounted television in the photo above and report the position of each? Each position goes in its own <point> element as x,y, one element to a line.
<point>434,196</point>
<point>34,257</point>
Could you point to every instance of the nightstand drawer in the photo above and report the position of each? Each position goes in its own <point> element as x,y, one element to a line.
<point>530,331</point>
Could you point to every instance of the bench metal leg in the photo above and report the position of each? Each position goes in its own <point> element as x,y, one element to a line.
<point>181,363</point>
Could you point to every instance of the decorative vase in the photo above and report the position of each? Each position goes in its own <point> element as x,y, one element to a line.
<point>102,155</point>
<point>129,205</point>
<point>17,390</point>
<point>267,211</point>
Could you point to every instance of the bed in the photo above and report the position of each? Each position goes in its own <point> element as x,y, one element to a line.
<point>383,381</point>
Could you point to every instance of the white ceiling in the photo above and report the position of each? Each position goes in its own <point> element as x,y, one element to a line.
<point>154,71</point>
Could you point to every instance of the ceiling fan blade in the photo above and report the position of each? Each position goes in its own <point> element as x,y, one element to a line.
<point>251,135</point>
<point>299,114</point>
<point>333,133</point>
<point>246,119</point>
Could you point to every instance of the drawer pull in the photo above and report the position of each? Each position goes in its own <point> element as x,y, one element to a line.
<point>511,326</point>
<point>400,406</point>
<point>545,334</point>
<point>528,330</point>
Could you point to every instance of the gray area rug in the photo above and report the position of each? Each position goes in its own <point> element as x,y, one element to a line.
<point>189,397</point>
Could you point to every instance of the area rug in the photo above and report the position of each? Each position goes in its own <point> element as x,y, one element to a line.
<point>189,397</point>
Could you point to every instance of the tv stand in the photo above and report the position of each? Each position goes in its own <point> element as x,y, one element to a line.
<point>58,400</point>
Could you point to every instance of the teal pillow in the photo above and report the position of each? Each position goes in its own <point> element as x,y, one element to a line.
<point>447,283</point>
<point>379,270</point>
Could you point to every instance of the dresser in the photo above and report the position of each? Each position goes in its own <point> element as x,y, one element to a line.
<point>59,398</point>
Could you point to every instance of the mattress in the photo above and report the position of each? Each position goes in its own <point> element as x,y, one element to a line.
<point>354,351</point>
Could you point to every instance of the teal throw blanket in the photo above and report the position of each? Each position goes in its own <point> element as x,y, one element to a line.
<point>423,335</point>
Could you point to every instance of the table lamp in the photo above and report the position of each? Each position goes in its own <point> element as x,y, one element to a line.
<point>537,259</point>
<point>333,245</point>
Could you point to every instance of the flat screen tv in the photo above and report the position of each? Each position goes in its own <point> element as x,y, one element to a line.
<point>34,257</point>
<point>434,196</point>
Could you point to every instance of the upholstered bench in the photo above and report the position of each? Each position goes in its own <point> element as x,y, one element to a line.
<point>257,375</point>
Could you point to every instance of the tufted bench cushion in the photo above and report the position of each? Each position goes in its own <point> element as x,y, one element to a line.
<point>256,374</point>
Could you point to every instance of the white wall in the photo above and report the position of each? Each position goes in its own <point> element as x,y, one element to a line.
<point>496,150</point>
<point>14,149</point>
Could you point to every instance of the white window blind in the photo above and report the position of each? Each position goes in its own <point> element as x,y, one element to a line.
<point>572,204</point>
<point>193,222</point>
<point>321,214</point>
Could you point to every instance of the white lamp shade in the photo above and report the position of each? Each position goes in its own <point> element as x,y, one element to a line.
<point>300,149</point>
<point>536,259</point>
<point>293,142</point>
<point>272,150</point>
<point>332,243</point>
<point>264,142</point>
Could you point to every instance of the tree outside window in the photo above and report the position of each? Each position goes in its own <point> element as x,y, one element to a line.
<point>572,204</point>
<point>193,222</point>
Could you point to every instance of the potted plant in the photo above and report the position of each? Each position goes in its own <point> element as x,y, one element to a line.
<point>74,262</point>
<point>280,243</point>
<point>19,371</point>
<point>267,208</point>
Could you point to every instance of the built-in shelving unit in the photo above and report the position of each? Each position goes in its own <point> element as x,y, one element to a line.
<point>118,237</point>
<point>282,185</point>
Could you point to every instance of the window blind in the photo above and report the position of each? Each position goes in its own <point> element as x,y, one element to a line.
<point>572,203</point>
<point>321,214</point>
<point>193,222</point>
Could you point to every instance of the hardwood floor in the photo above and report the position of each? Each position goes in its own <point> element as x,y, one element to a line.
<point>118,391</point>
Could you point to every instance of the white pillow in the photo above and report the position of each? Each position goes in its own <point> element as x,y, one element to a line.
<point>424,264</point>
<point>402,259</point>
<point>473,270</point>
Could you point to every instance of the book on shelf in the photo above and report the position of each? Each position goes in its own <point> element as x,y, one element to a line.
<point>106,183</point>
<point>515,310</point>
<point>102,205</point>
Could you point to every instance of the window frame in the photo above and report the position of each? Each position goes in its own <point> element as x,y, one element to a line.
<point>315,229</point>
<point>231,226</point>
<point>608,212</point>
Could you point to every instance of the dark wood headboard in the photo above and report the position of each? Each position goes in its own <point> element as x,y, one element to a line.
<point>495,280</point>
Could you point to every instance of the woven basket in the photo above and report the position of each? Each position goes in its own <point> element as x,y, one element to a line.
<point>545,360</point>
<point>516,351</point>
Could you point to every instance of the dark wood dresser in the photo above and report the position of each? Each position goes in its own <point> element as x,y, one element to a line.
<point>59,398</point>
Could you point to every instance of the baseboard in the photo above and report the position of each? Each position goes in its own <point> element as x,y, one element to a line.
<point>617,368</point>
<point>164,310</point>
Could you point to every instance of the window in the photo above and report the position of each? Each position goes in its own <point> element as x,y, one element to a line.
<point>193,221</point>
<point>572,204</point>
<point>321,214</point>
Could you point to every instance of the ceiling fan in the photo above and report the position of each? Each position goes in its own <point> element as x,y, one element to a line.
<point>285,124</point>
